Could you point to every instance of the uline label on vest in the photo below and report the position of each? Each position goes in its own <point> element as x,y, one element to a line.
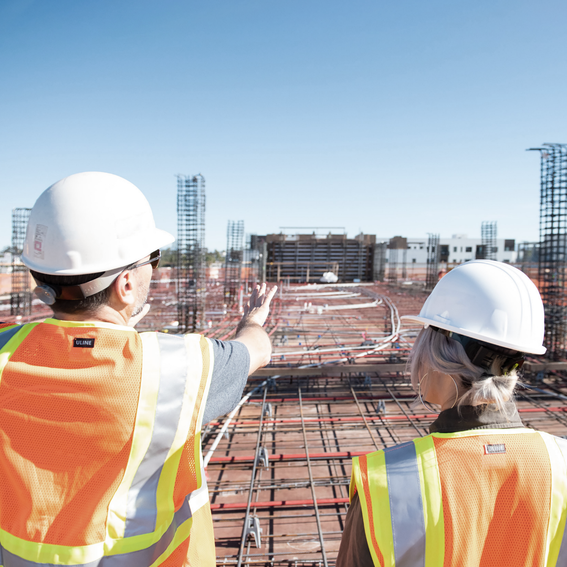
<point>83,343</point>
<point>494,449</point>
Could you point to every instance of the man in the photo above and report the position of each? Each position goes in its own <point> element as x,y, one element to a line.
<point>100,457</point>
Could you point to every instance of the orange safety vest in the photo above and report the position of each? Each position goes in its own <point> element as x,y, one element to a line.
<point>100,449</point>
<point>494,497</point>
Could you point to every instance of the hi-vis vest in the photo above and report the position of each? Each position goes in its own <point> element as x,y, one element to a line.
<point>100,457</point>
<point>474,498</point>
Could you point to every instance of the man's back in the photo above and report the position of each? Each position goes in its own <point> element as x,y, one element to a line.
<point>98,442</point>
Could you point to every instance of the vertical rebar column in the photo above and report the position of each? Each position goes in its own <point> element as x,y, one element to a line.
<point>432,275</point>
<point>488,235</point>
<point>20,296</point>
<point>528,258</point>
<point>552,235</point>
<point>191,268</point>
<point>233,260</point>
<point>251,261</point>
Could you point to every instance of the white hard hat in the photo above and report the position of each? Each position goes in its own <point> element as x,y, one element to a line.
<point>488,301</point>
<point>89,223</point>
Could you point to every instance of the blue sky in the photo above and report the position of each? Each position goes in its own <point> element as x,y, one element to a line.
<point>390,118</point>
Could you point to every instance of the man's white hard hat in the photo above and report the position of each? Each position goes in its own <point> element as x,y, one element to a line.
<point>89,223</point>
<point>488,301</point>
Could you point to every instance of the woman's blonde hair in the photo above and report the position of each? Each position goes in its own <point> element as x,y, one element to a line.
<point>435,351</point>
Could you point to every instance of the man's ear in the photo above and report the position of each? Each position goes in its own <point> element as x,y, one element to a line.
<point>124,289</point>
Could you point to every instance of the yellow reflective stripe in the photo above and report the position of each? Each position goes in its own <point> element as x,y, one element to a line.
<point>372,487</point>
<point>12,345</point>
<point>432,501</point>
<point>558,512</point>
<point>207,372</point>
<point>182,533</point>
<point>48,553</point>
<point>166,484</point>
<point>143,427</point>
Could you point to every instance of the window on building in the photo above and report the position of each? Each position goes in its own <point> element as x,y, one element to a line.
<point>509,245</point>
<point>421,247</point>
<point>468,249</point>
<point>413,260</point>
<point>461,248</point>
<point>454,248</point>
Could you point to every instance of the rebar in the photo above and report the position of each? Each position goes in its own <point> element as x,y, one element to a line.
<point>191,266</point>
<point>20,296</point>
<point>233,261</point>
<point>552,273</point>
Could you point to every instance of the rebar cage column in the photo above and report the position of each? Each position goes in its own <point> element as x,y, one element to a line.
<point>191,267</point>
<point>552,236</point>
<point>432,275</point>
<point>488,236</point>
<point>233,260</point>
<point>20,296</point>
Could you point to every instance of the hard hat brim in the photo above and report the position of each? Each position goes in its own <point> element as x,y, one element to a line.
<point>426,322</point>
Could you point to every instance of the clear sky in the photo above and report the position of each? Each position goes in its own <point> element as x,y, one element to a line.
<point>403,117</point>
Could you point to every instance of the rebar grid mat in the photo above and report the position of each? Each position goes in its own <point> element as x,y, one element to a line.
<point>337,387</point>
<point>279,477</point>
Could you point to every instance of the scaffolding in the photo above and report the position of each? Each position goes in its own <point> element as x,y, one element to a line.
<point>191,266</point>
<point>233,261</point>
<point>488,235</point>
<point>552,243</point>
<point>433,250</point>
<point>20,296</point>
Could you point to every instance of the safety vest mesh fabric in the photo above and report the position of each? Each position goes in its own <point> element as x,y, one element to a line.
<point>490,498</point>
<point>96,421</point>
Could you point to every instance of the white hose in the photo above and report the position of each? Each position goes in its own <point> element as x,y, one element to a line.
<point>395,320</point>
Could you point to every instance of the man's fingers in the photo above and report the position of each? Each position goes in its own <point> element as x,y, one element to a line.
<point>271,294</point>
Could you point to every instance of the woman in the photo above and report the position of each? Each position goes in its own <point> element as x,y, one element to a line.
<point>481,489</point>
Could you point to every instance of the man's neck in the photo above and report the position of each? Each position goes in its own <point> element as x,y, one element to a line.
<point>104,314</point>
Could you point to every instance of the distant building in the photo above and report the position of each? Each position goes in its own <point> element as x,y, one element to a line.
<point>458,249</point>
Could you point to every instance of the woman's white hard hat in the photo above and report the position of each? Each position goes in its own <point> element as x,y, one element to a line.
<point>89,223</point>
<point>488,301</point>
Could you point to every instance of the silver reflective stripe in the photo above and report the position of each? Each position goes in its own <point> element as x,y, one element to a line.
<point>7,335</point>
<point>140,558</point>
<point>406,506</point>
<point>142,500</point>
<point>562,557</point>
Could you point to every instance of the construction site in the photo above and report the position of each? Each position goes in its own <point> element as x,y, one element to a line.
<point>278,467</point>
